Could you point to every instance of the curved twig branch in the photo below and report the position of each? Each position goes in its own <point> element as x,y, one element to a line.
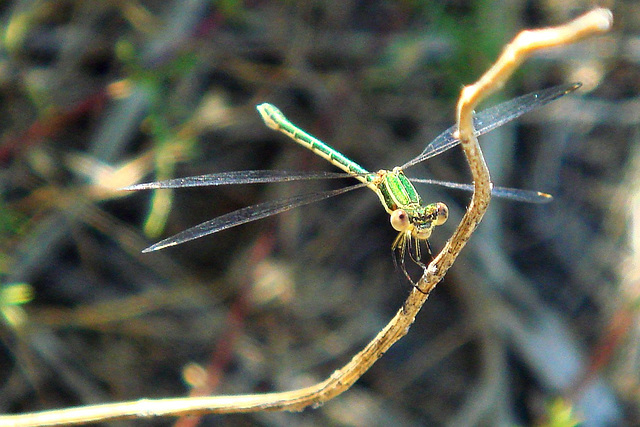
<point>527,42</point>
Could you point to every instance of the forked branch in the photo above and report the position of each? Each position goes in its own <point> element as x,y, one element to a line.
<point>527,42</point>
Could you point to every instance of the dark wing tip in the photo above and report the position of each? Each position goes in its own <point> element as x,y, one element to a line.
<point>574,86</point>
<point>544,197</point>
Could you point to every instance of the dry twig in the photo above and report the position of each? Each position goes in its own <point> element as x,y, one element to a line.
<point>527,42</point>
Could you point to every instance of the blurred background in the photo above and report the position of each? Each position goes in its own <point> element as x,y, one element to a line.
<point>536,323</point>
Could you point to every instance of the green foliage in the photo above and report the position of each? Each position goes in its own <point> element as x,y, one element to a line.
<point>560,413</point>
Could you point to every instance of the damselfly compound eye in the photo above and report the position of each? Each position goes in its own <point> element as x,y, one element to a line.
<point>442,213</point>
<point>399,220</point>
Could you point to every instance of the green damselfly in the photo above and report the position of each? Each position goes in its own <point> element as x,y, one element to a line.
<point>413,220</point>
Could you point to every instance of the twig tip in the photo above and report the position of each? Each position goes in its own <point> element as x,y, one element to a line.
<point>603,19</point>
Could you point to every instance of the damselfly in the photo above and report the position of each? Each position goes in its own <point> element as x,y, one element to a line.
<point>413,220</point>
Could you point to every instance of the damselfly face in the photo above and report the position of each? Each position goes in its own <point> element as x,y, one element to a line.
<point>418,222</point>
<point>415,226</point>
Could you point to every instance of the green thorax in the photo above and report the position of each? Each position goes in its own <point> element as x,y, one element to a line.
<point>396,191</point>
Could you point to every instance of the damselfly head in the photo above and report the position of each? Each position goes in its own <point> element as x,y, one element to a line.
<point>420,222</point>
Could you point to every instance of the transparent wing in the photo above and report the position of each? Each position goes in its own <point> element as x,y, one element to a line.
<point>248,214</point>
<point>515,194</point>
<point>238,177</point>
<point>491,118</point>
